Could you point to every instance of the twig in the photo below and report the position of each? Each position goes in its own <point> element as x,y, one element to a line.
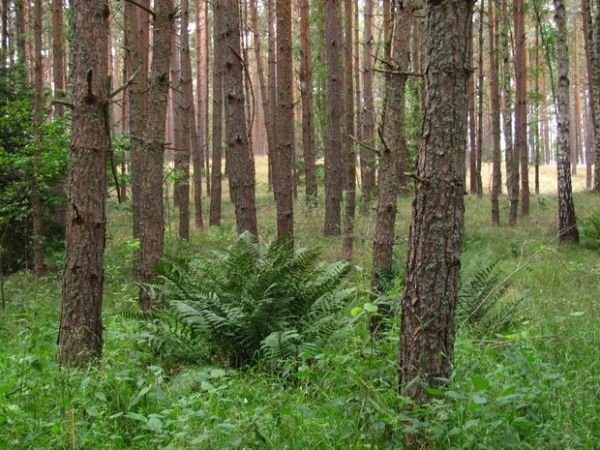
<point>139,5</point>
<point>127,84</point>
<point>365,145</point>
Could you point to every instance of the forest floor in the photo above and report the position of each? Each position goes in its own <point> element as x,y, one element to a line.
<point>526,374</point>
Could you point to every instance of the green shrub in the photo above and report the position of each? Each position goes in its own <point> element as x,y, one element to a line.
<point>249,303</point>
<point>589,230</point>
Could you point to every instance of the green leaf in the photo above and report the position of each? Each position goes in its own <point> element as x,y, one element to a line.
<point>370,307</point>
<point>481,384</point>
<point>135,416</point>
<point>356,311</point>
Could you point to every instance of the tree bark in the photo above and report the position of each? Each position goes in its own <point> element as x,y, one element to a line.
<point>38,104</point>
<point>240,165</point>
<point>433,265</point>
<point>495,104</point>
<point>282,176</point>
<point>566,209</point>
<point>151,220</point>
<point>333,143</point>
<point>80,331</point>
<point>58,56</point>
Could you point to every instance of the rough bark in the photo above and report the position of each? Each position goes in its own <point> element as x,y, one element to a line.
<point>394,142</point>
<point>151,221</point>
<point>566,209</point>
<point>588,94</point>
<point>58,56</point>
<point>306,92</point>
<point>333,139</point>
<point>433,265</point>
<point>282,176</point>
<point>240,165</point>
<point>480,97</point>
<point>596,95</point>
<point>200,151</point>
<point>80,331</point>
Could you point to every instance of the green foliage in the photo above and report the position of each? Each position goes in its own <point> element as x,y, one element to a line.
<point>484,296</point>
<point>589,230</point>
<point>16,170</point>
<point>249,303</point>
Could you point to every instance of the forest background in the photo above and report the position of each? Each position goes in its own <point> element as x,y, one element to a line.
<point>525,370</point>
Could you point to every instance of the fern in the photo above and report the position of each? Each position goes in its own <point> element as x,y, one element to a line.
<point>253,301</point>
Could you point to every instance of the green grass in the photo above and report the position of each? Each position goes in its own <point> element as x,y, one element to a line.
<point>533,384</point>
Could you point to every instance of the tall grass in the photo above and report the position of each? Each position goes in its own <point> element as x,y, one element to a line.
<point>533,383</point>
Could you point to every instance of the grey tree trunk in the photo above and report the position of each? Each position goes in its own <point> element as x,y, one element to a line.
<point>566,209</point>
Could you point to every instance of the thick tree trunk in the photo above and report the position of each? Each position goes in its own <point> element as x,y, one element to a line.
<point>282,176</point>
<point>433,265</point>
<point>566,210</point>
<point>151,221</point>
<point>240,165</point>
<point>80,331</point>
<point>333,140</point>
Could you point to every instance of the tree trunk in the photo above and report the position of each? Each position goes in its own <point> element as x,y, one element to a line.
<point>433,265</point>
<point>151,221</point>
<point>240,165</point>
<point>38,104</point>
<point>200,152</point>
<point>216,191</point>
<point>182,155</point>
<point>394,142</point>
<point>596,95</point>
<point>480,97</point>
<point>306,92</point>
<point>495,106</point>
<point>349,162</point>
<point>80,331</point>
<point>566,209</point>
<point>521,102</point>
<point>282,176</point>
<point>367,156</point>
<point>58,56</point>
<point>588,93</point>
<point>272,82</point>
<point>333,142</point>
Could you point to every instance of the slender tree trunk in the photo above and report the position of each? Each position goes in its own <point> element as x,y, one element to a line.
<point>80,331</point>
<point>182,155</point>
<point>58,56</point>
<point>217,119</point>
<point>272,76</point>
<point>566,209</point>
<point>480,96</point>
<point>595,57</point>
<point>495,106</point>
<point>394,142</point>
<point>588,93</point>
<point>282,176</point>
<point>151,221</point>
<point>433,265</point>
<point>348,144</point>
<point>472,128</point>
<point>5,42</point>
<point>240,165</point>
<point>367,156</point>
<point>200,152</point>
<point>576,129</point>
<point>306,92</point>
<point>333,143</point>
<point>521,101</point>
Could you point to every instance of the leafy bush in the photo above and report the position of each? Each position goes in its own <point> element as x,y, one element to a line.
<point>251,302</point>
<point>589,230</point>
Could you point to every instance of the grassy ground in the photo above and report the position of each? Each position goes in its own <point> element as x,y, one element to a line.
<point>532,382</point>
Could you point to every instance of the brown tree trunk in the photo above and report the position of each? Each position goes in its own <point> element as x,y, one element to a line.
<point>566,209</point>
<point>240,165</point>
<point>151,221</point>
<point>472,128</point>
<point>200,151</point>
<point>367,156</point>
<point>521,101</point>
<point>596,94</point>
<point>58,56</point>
<point>433,265</point>
<point>333,142</point>
<point>480,97</point>
<point>306,92</point>
<point>5,41</point>
<point>349,164</point>
<point>80,331</point>
<point>182,155</point>
<point>216,191</point>
<point>495,111</point>
<point>394,142</point>
<point>272,82</point>
<point>588,91</point>
<point>282,176</point>
<point>38,241</point>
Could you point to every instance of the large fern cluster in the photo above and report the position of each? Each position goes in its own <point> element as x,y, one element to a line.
<point>252,301</point>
